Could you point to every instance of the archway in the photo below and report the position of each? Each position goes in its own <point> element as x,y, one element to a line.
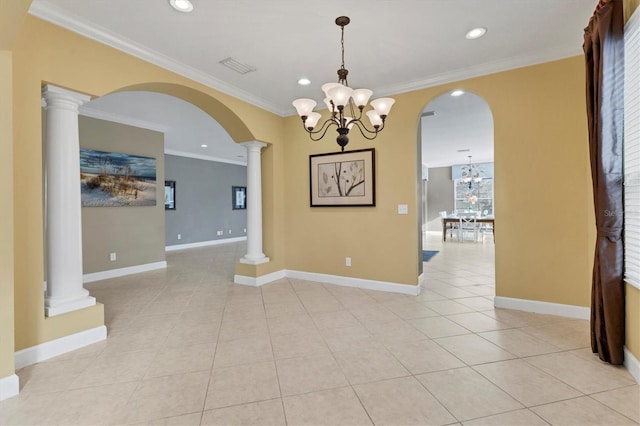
<point>114,145</point>
<point>456,145</point>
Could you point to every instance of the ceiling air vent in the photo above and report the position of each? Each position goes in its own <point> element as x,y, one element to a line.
<point>237,66</point>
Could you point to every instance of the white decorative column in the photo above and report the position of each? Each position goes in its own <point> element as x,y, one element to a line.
<point>65,291</point>
<point>254,254</point>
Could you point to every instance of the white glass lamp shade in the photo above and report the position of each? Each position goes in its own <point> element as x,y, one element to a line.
<point>312,120</point>
<point>361,96</point>
<point>349,122</point>
<point>304,106</point>
<point>340,95</point>
<point>382,106</point>
<point>328,86</point>
<point>327,102</point>
<point>374,118</point>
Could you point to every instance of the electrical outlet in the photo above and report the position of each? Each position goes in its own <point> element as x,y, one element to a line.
<point>112,257</point>
<point>347,261</point>
<point>179,236</point>
<point>229,231</point>
<point>219,233</point>
<point>245,230</point>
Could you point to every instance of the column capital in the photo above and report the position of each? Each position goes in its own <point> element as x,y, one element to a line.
<point>63,98</point>
<point>254,145</point>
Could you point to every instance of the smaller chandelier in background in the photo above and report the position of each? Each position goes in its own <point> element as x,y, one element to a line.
<point>472,173</point>
<point>346,106</point>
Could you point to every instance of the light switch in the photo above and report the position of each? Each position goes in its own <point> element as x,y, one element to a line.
<point>403,209</point>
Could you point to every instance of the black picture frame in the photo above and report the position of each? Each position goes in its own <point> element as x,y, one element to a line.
<point>239,197</point>
<point>344,179</point>
<point>169,194</point>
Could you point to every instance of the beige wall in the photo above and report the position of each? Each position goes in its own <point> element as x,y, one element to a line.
<point>632,338</point>
<point>545,224</point>
<point>6,217</point>
<point>12,14</point>
<point>629,7</point>
<point>135,234</point>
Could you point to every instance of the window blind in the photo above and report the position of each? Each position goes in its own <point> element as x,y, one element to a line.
<point>632,150</point>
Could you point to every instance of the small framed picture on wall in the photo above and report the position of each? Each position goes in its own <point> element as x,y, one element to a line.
<point>239,197</point>
<point>169,194</point>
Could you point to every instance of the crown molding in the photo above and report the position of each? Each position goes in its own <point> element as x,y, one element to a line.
<point>203,157</point>
<point>122,119</point>
<point>46,11</point>
<point>548,55</point>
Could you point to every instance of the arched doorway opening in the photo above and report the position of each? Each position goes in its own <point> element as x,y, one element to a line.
<point>124,167</point>
<point>457,193</point>
<point>195,155</point>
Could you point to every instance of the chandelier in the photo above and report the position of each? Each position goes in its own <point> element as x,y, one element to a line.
<point>471,173</point>
<point>345,105</point>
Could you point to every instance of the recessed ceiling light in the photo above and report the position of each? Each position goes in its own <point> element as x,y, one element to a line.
<point>475,33</point>
<point>304,82</point>
<point>204,146</point>
<point>457,93</point>
<point>181,5</point>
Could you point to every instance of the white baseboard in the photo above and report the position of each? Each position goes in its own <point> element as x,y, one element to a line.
<point>262,280</point>
<point>9,386</point>
<point>570,311</point>
<point>413,290</point>
<point>120,272</point>
<point>204,243</point>
<point>59,346</point>
<point>632,364</point>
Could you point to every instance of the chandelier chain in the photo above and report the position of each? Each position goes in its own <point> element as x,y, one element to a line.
<point>342,46</point>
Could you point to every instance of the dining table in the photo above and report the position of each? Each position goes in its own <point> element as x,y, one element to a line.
<point>456,218</point>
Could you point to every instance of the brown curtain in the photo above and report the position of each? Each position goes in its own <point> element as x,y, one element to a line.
<point>604,57</point>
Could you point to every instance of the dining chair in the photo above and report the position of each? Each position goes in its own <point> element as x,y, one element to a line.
<point>468,225</point>
<point>450,226</point>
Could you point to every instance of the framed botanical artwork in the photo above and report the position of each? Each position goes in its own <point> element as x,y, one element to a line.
<point>169,194</point>
<point>343,179</point>
<point>239,201</point>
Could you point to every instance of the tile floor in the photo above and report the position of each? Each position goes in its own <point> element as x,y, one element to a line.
<point>188,347</point>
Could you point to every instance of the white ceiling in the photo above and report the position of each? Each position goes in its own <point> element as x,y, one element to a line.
<point>391,46</point>
<point>460,123</point>
<point>185,126</point>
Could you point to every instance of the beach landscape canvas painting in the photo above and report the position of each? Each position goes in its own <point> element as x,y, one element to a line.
<point>110,179</point>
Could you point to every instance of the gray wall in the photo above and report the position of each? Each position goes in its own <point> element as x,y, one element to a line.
<point>203,200</point>
<point>135,234</point>
<point>440,192</point>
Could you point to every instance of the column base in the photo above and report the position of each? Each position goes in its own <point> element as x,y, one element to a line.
<point>254,260</point>
<point>54,308</point>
